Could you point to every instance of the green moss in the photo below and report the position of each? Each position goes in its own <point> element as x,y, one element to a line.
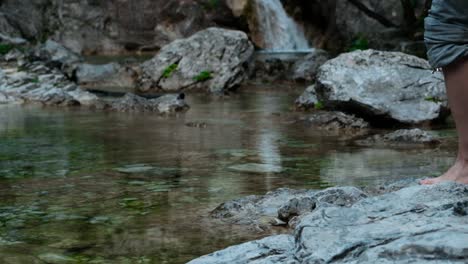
<point>319,106</point>
<point>169,70</point>
<point>433,99</point>
<point>211,4</point>
<point>360,43</point>
<point>5,48</point>
<point>203,76</point>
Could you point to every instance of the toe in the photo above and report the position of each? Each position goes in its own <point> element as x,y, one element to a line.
<point>427,182</point>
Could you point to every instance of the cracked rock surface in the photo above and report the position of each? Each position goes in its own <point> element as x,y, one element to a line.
<point>413,224</point>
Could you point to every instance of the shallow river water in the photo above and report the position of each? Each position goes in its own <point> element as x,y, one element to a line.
<point>99,187</point>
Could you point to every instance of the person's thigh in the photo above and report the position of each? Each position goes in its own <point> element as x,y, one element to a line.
<point>446,34</point>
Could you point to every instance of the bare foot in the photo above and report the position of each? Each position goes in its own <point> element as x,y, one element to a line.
<point>457,173</point>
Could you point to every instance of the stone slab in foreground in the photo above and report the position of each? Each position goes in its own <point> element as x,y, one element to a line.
<point>415,224</point>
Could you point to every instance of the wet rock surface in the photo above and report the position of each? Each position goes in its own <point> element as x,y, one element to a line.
<point>213,60</point>
<point>261,211</point>
<point>111,75</point>
<point>335,121</point>
<point>287,66</point>
<point>411,224</point>
<point>169,103</point>
<point>402,137</point>
<point>305,70</point>
<point>385,85</point>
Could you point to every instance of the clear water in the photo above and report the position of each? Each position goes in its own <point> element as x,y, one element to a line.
<point>102,187</point>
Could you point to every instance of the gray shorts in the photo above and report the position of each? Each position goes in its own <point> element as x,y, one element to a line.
<point>446,34</point>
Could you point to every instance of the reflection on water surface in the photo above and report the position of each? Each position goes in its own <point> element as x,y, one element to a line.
<point>101,187</point>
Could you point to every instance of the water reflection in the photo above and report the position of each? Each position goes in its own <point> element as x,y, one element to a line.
<point>128,188</point>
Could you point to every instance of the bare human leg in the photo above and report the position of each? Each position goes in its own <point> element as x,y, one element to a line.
<point>456,80</point>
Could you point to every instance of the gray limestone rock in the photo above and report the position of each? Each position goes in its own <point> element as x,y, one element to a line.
<point>413,224</point>
<point>378,84</point>
<point>402,137</point>
<point>213,60</point>
<point>169,103</point>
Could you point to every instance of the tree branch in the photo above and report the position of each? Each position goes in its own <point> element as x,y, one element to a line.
<point>381,19</point>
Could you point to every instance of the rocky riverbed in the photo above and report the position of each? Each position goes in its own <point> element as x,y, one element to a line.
<point>397,223</point>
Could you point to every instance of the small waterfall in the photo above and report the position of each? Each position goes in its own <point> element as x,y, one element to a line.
<point>279,31</point>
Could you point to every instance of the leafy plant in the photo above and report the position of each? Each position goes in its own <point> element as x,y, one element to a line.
<point>169,70</point>
<point>5,48</point>
<point>360,43</point>
<point>34,80</point>
<point>433,99</point>
<point>319,105</point>
<point>211,4</point>
<point>203,76</point>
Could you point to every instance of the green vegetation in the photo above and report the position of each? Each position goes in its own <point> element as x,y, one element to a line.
<point>319,106</point>
<point>360,43</point>
<point>5,48</point>
<point>34,80</point>
<point>203,76</point>
<point>169,70</point>
<point>211,4</point>
<point>433,99</point>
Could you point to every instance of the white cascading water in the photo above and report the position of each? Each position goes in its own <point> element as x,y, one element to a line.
<point>280,32</point>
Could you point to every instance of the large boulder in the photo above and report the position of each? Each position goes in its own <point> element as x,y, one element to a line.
<point>380,86</point>
<point>213,59</point>
<point>415,224</point>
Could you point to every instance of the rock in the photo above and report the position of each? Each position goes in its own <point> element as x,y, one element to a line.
<point>414,224</point>
<point>38,83</point>
<point>109,75</point>
<point>278,66</point>
<point>13,55</point>
<point>381,86</point>
<point>52,258</point>
<point>296,207</point>
<point>213,59</point>
<point>402,137</point>
<point>308,99</point>
<point>305,70</point>
<point>97,27</point>
<point>56,54</point>
<point>12,40</point>
<point>6,99</point>
<point>257,168</point>
<point>268,250</point>
<point>7,30</point>
<point>169,103</point>
<point>283,203</point>
<point>336,121</point>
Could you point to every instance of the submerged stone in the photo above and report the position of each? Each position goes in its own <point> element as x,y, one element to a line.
<point>257,168</point>
<point>53,258</point>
